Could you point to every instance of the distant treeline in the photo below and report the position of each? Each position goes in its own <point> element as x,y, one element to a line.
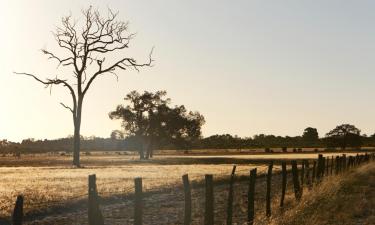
<point>309,138</point>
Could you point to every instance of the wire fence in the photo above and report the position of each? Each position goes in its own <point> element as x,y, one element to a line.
<point>191,202</point>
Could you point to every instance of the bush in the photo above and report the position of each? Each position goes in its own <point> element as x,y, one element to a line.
<point>284,149</point>
<point>294,150</point>
<point>267,150</point>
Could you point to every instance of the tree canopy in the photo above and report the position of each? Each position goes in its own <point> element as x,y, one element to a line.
<point>310,136</point>
<point>150,118</point>
<point>343,136</point>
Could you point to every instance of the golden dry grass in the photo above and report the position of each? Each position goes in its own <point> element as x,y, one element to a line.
<point>53,185</point>
<point>62,184</point>
<point>347,199</point>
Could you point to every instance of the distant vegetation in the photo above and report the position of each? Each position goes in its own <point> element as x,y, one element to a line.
<point>337,138</point>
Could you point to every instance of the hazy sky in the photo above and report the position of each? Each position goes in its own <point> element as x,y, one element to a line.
<point>248,66</point>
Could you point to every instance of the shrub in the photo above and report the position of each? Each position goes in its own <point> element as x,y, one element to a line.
<point>284,149</point>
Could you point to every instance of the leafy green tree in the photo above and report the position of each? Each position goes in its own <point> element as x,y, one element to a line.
<point>310,136</point>
<point>152,122</point>
<point>344,136</point>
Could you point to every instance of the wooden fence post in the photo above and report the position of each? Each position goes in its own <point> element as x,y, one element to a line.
<point>297,187</point>
<point>187,192</point>
<point>332,164</point>
<point>251,197</point>
<point>308,180</point>
<point>283,183</point>
<point>313,177</point>
<point>337,165</point>
<point>327,165</point>
<point>323,169</point>
<point>94,213</point>
<point>320,168</point>
<point>138,201</point>
<point>302,172</point>
<point>17,216</point>
<point>209,204</point>
<point>344,162</point>
<point>230,197</point>
<point>268,193</point>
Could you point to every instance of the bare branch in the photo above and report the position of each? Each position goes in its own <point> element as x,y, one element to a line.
<point>67,107</point>
<point>121,64</point>
<point>50,82</point>
<point>64,62</point>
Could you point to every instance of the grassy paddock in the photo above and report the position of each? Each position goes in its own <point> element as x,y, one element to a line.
<point>56,182</point>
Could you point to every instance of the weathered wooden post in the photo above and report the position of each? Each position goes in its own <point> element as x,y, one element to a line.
<point>327,165</point>
<point>268,193</point>
<point>332,164</point>
<point>283,183</point>
<point>251,197</point>
<point>337,165</point>
<point>297,187</point>
<point>344,162</point>
<point>209,204</point>
<point>313,177</point>
<point>308,179</point>
<point>320,168</point>
<point>230,197</point>
<point>17,216</point>
<point>187,192</point>
<point>302,172</point>
<point>323,167</point>
<point>138,201</point>
<point>94,213</point>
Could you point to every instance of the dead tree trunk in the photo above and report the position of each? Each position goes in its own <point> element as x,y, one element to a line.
<point>77,115</point>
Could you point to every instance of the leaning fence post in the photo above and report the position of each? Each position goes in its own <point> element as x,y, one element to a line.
<point>17,216</point>
<point>94,213</point>
<point>297,187</point>
<point>209,204</point>
<point>250,197</point>
<point>230,197</point>
<point>187,191</point>
<point>138,201</point>
<point>268,194</point>
<point>283,183</point>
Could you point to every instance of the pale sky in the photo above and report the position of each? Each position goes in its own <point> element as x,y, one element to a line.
<point>249,67</point>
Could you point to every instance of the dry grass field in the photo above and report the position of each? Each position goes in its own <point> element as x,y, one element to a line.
<point>56,186</point>
<point>345,199</point>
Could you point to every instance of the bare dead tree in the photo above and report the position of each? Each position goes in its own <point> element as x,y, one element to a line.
<point>86,49</point>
